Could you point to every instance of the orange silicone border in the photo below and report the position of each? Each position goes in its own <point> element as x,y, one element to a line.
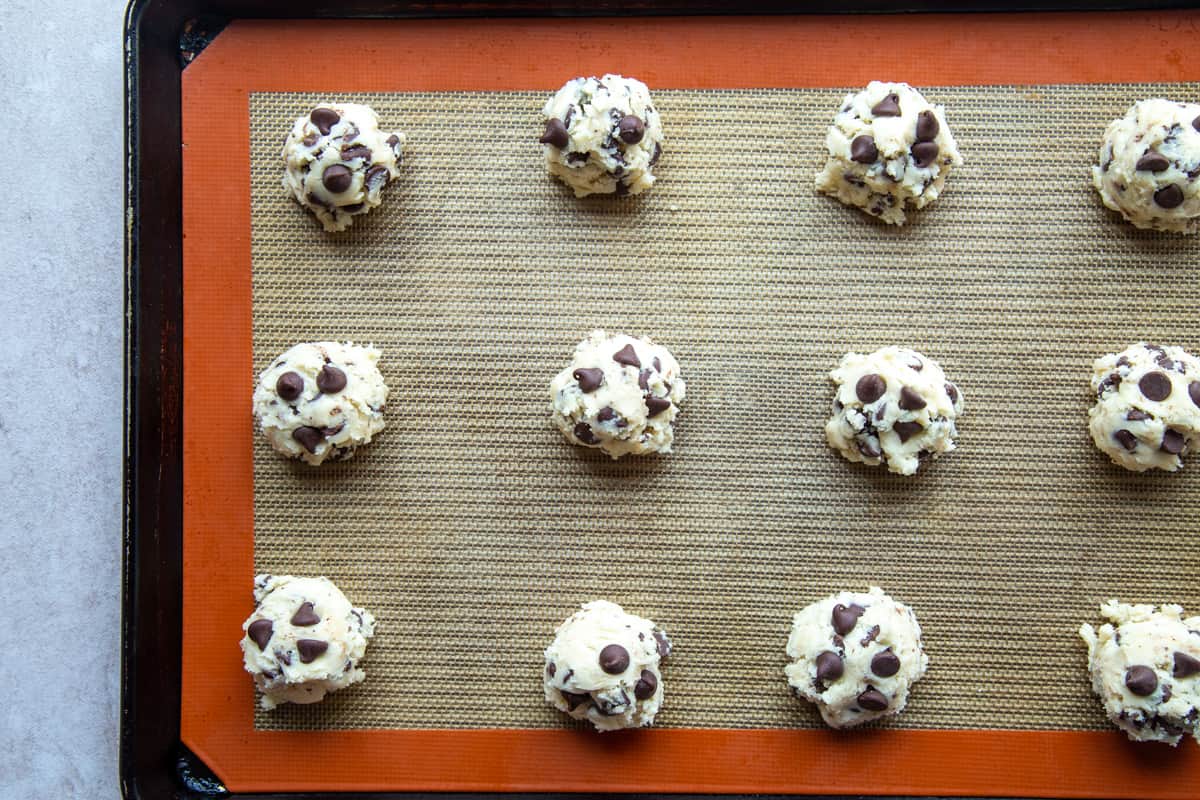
<point>248,56</point>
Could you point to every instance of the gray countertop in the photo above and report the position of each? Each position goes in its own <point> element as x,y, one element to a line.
<point>60,422</point>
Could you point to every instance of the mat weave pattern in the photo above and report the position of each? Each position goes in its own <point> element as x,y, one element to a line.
<point>470,528</point>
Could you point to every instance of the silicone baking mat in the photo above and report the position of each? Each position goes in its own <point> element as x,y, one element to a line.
<point>470,528</point>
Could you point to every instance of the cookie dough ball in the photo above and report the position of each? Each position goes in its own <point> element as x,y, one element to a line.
<point>895,407</point>
<point>320,401</point>
<point>603,136</point>
<point>855,656</point>
<point>620,394</point>
<point>338,162</point>
<point>1149,165</point>
<point>304,640</point>
<point>603,666</point>
<point>1147,411</point>
<point>1145,667</point>
<point>890,150</point>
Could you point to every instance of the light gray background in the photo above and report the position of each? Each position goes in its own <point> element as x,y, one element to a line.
<point>60,384</point>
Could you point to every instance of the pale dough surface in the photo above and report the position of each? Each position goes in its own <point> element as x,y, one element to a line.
<point>1147,410</point>
<point>619,394</point>
<point>322,422</point>
<point>1145,667</point>
<point>603,666</point>
<point>593,154</point>
<point>890,151</point>
<point>855,655</point>
<point>894,406</point>
<point>312,639</point>
<point>1148,167</point>
<point>338,161</point>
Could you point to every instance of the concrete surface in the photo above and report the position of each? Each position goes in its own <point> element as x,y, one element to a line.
<point>60,420</point>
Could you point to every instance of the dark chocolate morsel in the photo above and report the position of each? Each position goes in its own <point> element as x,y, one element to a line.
<point>590,378</point>
<point>324,119</point>
<point>1173,442</point>
<point>330,379</point>
<point>575,698</point>
<point>644,380</point>
<point>863,149</point>
<point>1126,439</point>
<point>1185,665</point>
<point>583,432</point>
<point>657,154</point>
<point>887,107</point>
<point>924,153</point>
<point>305,616</point>
<point>1155,386</point>
<point>870,388</point>
<point>309,437</point>
<point>910,399</point>
<point>310,649</point>
<point>885,664</point>
<point>289,386</point>
<point>631,129</point>
<point>869,450</point>
<point>952,392</point>
<point>551,669</point>
<point>556,133</point>
<point>393,140</point>
<point>376,176</point>
<point>1169,196</point>
<point>1194,392</point>
<point>844,618</point>
<point>656,405</point>
<point>1136,415</point>
<point>927,126</point>
<point>873,700</point>
<point>1196,123</point>
<point>1141,680</point>
<point>1153,162</point>
<point>646,686</point>
<point>829,666</point>
<point>336,178</point>
<point>310,140</point>
<point>260,632</point>
<point>627,356</point>
<point>356,151</point>
<point>662,644</point>
<point>906,430</point>
<point>614,659</point>
<point>606,414</point>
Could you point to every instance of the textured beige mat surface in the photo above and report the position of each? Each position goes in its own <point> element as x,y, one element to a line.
<point>470,528</point>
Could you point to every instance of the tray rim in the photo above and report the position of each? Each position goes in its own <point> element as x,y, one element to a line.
<point>153,762</point>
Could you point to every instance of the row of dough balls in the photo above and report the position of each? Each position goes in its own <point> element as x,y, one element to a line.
<point>890,152</point>
<point>854,655</point>
<point>321,401</point>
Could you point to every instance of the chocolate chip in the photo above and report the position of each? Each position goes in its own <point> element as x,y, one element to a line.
<point>662,643</point>
<point>392,141</point>
<point>844,618</point>
<point>657,154</point>
<point>283,657</point>
<point>657,364</point>
<point>324,119</point>
<point>863,149</point>
<point>576,158</point>
<point>289,386</point>
<point>1169,196</point>
<point>1141,680</point>
<point>870,388</point>
<point>551,669</point>
<point>869,449</point>
<point>351,209</point>
<point>575,699</point>
<point>1108,382</point>
<point>331,379</point>
<point>627,356</point>
<point>260,632</point>
<point>1153,162</point>
<point>829,666</point>
<point>885,664</point>
<point>646,686</point>
<point>906,430</point>
<point>357,151</point>
<point>873,700</point>
<point>872,633</point>
<point>336,178</point>
<point>656,405</point>
<point>1173,442</point>
<point>887,107</point>
<point>1126,439</point>
<point>614,659</point>
<point>952,392</point>
<point>910,399</point>
<point>927,126</point>
<point>310,140</point>
<point>1196,123</point>
<point>606,414</point>
<point>376,176</point>
<point>310,649</point>
<point>631,129</point>
<point>1185,665</point>
<point>305,616</point>
<point>556,134</point>
<point>1194,392</point>
<point>583,432</point>
<point>924,153</point>
<point>1137,415</point>
<point>1155,386</point>
<point>644,380</point>
<point>590,378</point>
<point>309,437</point>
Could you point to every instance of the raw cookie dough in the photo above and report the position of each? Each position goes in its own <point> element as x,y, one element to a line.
<point>1149,166</point>
<point>320,401</point>
<point>620,394</point>
<point>603,136</point>
<point>889,150</point>
<point>1147,411</point>
<point>338,162</point>
<point>892,407</point>
<point>1146,670</point>
<point>603,666</point>
<point>855,655</point>
<point>303,640</point>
